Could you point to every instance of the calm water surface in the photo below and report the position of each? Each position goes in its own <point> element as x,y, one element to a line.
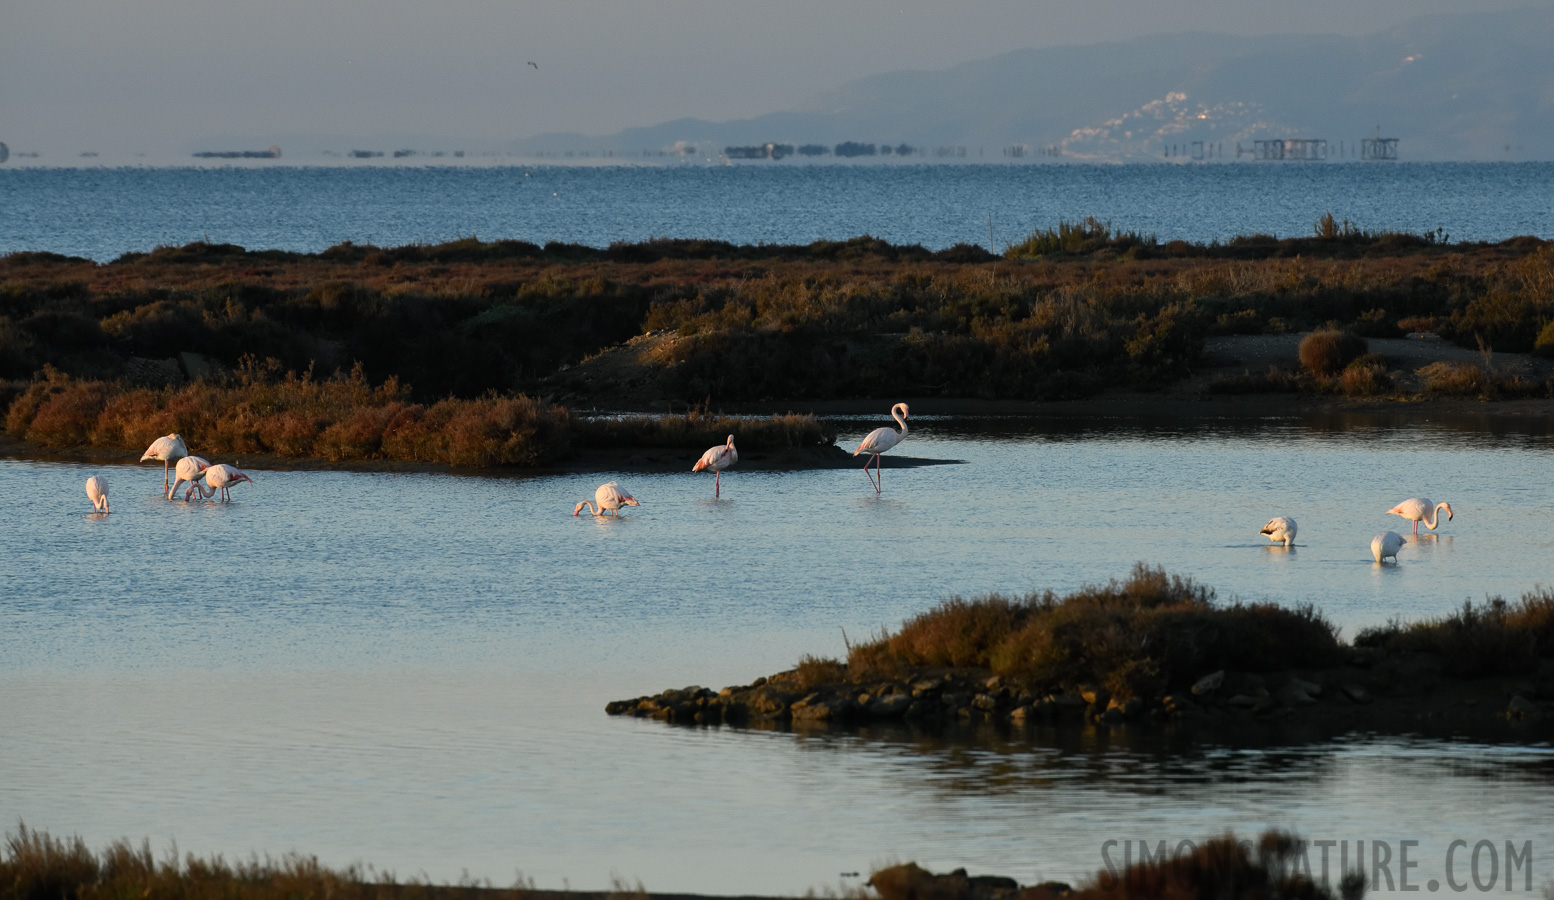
<point>104,212</point>
<point>410,670</point>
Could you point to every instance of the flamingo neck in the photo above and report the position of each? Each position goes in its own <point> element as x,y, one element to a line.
<point>1435,516</point>
<point>901,421</point>
<point>588,503</point>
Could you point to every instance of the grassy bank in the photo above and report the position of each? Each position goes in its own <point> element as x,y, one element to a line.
<point>37,866</point>
<point>1064,314</point>
<point>1159,647</point>
<point>264,411</point>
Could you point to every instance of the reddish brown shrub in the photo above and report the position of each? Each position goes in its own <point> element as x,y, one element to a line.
<point>1327,351</point>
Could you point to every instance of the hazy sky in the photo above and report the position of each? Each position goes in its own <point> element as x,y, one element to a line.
<point>156,74</point>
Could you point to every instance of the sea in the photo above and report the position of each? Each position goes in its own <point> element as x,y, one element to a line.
<point>104,212</point>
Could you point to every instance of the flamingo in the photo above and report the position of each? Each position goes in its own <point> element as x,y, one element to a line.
<point>168,449</point>
<point>1280,528</point>
<point>220,477</point>
<point>97,492</point>
<point>1386,544</point>
<point>880,440</point>
<point>188,469</point>
<point>1420,508</point>
<point>717,459</point>
<point>608,496</point>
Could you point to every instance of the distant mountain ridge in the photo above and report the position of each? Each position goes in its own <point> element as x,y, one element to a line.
<point>1456,87</point>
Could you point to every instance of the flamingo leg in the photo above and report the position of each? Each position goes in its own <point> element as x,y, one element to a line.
<point>867,472</point>
<point>717,482</point>
<point>879,477</point>
<point>1416,526</point>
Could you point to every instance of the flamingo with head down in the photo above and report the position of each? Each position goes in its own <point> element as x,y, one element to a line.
<point>97,492</point>
<point>1386,544</point>
<point>1280,528</point>
<point>880,440</point>
<point>168,449</point>
<point>220,477</point>
<point>610,496</point>
<point>1418,509</point>
<point>717,459</point>
<point>189,470</point>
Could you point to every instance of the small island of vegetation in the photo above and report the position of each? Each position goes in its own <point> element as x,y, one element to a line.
<point>1156,648</point>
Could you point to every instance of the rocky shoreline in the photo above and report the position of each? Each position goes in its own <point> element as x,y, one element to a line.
<point>1372,691</point>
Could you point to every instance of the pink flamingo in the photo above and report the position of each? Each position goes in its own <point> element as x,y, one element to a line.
<point>187,470</point>
<point>609,496</point>
<point>221,477</point>
<point>717,459</point>
<point>168,450</point>
<point>97,492</point>
<point>880,440</point>
<point>1419,510</point>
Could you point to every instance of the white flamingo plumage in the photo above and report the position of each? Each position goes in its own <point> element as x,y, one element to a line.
<point>221,477</point>
<point>189,469</point>
<point>1386,544</point>
<point>610,496</point>
<point>1280,528</point>
<point>97,492</point>
<point>880,440</point>
<point>168,449</point>
<point>1420,509</point>
<point>717,459</point>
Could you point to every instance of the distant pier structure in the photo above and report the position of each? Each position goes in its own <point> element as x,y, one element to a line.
<point>1379,148</point>
<point>1308,149</point>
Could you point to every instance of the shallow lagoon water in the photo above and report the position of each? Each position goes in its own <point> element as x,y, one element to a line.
<point>410,670</point>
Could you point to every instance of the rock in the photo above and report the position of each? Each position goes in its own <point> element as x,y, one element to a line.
<point>1242,701</point>
<point>1295,694</point>
<point>1175,703</point>
<point>1020,714</point>
<point>1127,709</point>
<point>1112,716</point>
<point>1208,684</point>
<point>1356,693</point>
<point>993,683</point>
<point>811,711</point>
<point>984,702</point>
<point>890,707</point>
<point>1522,708</point>
<point>1310,687</point>
<point>926,686</point>
<point>1094,696</point>
<point>768,701</point>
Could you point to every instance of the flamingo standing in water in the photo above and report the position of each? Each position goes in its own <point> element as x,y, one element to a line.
<point>1280,528</point>
<point>1386,544</point>
<point>609,496</point>
<point>187,470</point>
<point>880,440</point>
<point>168,449</point>
<point>717,459</point>
<point>97,492</point>
<point>220,477</point>
<point>1419,509</point>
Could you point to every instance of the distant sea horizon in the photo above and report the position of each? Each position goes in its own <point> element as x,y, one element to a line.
<point>103,212</point>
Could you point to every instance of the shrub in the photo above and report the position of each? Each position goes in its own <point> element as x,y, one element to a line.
<point>1136,637</point>
<point>1327,351</point>
<point>1454,379</point>
<point>1544,346</point>
<point>1478,640</point>
<point>1365,377</point>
